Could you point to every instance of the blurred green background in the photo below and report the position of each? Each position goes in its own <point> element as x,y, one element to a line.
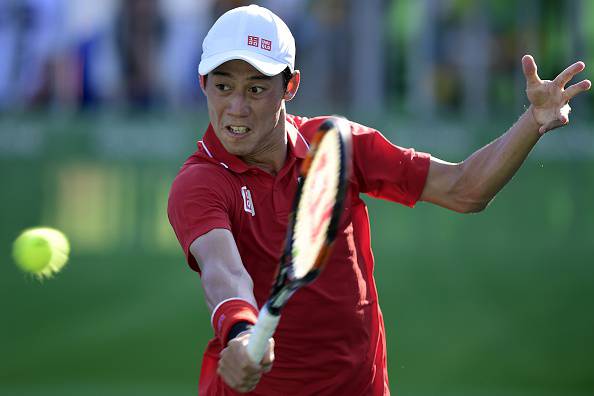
<point>496,303</point>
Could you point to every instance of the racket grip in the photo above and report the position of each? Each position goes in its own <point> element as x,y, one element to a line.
<point>261,332</point>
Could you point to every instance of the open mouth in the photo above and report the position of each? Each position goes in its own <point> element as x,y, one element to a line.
<point>237,130</point>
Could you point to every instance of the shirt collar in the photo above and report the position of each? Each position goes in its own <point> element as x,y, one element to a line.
<point>297,143</point>
<point>211,146</point>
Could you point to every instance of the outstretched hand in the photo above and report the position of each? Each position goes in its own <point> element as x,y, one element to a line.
<point>549,99</point>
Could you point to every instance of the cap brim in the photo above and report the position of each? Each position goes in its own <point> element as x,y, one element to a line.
<point>264,64</point>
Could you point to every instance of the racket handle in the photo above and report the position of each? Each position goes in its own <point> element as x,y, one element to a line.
<point>261,333</point>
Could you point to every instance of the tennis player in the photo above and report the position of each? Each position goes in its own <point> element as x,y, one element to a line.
<point>230,203</point>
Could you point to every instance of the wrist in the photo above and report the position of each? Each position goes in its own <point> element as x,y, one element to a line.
<point>533,123</point>
<point>231,317</point>
<point>238,329</point>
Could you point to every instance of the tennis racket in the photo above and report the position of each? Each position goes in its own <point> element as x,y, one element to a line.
<point>313,224</point>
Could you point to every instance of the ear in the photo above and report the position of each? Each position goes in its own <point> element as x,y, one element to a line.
<point>202,83</point>
<point>293,85</point>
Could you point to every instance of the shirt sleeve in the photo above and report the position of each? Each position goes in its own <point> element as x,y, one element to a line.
<point>384,170</point>
<point>197,204</point>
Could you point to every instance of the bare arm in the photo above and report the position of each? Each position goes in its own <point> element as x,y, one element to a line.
<point>225,277</point>
<point>470,185</point>
<point>223,273</point>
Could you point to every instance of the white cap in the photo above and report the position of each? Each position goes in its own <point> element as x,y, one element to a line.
<point>253,34</point>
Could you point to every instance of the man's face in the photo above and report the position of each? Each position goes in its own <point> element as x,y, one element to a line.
<point>245,107</point>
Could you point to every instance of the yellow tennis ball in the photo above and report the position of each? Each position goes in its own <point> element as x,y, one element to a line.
<point>41,251</point>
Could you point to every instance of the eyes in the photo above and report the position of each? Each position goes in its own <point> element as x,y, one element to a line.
<point>254,89</point>
<point>222,87</point>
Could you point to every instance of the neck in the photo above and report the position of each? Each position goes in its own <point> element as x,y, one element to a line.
<point>272,156</point>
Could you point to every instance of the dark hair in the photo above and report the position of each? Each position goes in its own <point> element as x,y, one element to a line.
<point>287,76</point>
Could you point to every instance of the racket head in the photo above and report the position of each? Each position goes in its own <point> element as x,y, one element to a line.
<point>320,199</point>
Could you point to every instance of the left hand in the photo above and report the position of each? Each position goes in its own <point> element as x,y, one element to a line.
<point>549,99</point>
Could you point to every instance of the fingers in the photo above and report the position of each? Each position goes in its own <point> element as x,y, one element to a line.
<point>237,369</point>
<point>241,377</point>
<point>248,384</point>
<point>563,115</point>
<point>268,358</point>
<point>549,98</point>
<point>575,89</point>
<point>566,75</point>
<point>242,384</point>
<point>530,70</point>
<point>269,355</point>
<point>560,120</point>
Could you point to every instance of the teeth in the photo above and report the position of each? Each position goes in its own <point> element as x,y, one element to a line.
<point>238,129</point>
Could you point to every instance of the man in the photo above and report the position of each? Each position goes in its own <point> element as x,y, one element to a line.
<point>230,202</point>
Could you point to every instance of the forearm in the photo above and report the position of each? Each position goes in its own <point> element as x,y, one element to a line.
<point>220,285</point>
<point>486,171</point>
<point>223,274</point>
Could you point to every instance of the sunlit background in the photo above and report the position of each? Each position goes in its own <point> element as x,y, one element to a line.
<point>100,105</point>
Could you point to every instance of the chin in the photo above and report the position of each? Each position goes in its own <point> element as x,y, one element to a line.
<point>235,149</point>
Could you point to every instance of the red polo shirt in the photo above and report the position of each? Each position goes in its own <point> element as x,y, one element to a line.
<point>330,340</point>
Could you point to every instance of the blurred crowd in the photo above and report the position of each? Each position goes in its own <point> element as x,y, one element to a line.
<point>431,54</point>
<point>139,53</point>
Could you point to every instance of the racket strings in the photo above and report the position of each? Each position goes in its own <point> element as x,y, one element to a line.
<point>316,207</point>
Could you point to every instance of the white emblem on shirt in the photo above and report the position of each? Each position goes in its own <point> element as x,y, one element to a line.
<point>248,204</point>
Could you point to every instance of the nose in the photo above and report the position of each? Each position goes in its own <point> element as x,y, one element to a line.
<point>238,105</point>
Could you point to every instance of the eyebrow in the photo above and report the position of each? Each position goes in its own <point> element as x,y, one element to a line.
<point>257,77</point>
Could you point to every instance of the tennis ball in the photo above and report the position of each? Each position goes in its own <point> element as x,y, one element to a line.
<point>41,251</point>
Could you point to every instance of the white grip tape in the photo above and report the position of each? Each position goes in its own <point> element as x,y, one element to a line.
<point>261,333</point>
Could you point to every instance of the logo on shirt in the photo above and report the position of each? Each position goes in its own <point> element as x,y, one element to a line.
<point>248,204</point>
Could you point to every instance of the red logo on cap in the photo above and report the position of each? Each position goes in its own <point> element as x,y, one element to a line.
<point>266,45</point>
<point>254,41</point>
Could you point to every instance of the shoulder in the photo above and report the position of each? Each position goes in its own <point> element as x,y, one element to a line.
<point>197,171</point>
<point>307,126</point>
<point>198,176</point>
